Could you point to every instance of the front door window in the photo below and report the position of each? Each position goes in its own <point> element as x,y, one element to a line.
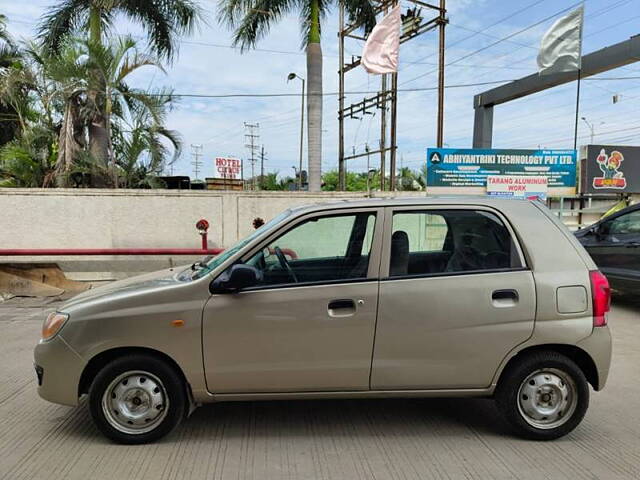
<point>321,249</point>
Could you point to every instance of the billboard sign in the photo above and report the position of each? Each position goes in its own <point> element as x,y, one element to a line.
<point>516,186</point>
<point>451,170</point>
<point>611,169</point>
<point>228,168</point>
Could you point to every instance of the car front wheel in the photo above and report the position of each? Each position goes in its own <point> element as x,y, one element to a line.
<point>137,399</point>
<point>543,396</point>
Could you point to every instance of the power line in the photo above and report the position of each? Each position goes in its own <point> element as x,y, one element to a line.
<point>468,37</point>
<point>503,39</point>
<point>366,92</point>
<point>326,94</point>
<point>592,15</point>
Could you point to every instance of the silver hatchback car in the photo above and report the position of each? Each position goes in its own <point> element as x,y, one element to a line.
<point>430,297</point>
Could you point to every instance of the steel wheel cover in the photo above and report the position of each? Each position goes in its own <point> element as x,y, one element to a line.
<point>547,398</point>
<point>135,402</point>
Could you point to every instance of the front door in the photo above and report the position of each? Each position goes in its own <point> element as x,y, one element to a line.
<point>309,325</point>
<point>455,298</point>
<point>616,249</point>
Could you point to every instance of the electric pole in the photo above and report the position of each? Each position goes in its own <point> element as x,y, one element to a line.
<point>251,137</point>
<point>196,154</point>
<point>262,159</point>
<point>418,17</point>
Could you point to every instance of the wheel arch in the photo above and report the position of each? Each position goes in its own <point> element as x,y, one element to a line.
<point>578,355</point>
<point>101,359</point>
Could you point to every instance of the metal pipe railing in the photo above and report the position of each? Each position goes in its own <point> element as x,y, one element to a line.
<point>35,252</point>
<point>202,226</point>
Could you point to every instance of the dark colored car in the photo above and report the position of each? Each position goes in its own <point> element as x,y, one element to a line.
<point>614,244</point>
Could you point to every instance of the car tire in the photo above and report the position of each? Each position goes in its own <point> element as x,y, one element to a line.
<point>543,396</point>
<point>137,399</point>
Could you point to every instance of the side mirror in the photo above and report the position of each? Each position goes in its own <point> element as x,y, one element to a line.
<point>236,278</point>
<point>601,231</point>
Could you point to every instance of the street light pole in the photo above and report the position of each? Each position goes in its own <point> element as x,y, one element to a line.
<point>289,78</point>
<point>591,127</point>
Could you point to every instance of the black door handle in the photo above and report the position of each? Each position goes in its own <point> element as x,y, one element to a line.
<point>507,294</point>
<point>342,303</point>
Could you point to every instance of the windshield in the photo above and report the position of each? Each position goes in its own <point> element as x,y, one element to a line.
<point>203,269</point>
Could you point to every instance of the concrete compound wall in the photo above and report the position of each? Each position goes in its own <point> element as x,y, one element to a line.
<point>96,218</point>
<point>66,218</point>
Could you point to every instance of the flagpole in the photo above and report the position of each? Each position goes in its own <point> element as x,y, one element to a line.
<point>575,131</point>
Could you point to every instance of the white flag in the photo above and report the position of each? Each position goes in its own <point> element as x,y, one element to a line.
<point>380,53</point>
<point>561,46</point>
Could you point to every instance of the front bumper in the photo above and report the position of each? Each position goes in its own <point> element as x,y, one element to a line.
<point>58,368</point>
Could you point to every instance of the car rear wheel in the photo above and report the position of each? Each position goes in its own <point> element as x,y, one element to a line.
<point>543,396</point>
<point>137,399</point>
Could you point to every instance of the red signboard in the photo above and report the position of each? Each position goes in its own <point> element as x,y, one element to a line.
<point>228,168</point>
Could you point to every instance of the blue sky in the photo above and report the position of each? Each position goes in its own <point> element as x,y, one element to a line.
<point>206,65</point>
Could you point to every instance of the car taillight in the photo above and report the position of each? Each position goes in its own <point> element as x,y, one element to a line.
<point>601,297</point>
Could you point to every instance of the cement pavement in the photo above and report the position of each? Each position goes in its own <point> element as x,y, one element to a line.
<point>352,439</point>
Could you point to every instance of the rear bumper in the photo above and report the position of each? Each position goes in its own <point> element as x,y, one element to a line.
<point>598,346</point>
<point>58,368</point>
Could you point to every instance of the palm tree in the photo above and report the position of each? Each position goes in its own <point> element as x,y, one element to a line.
<point>141,150</point>
<point>252,20</point>
<point>92,79</point>
<point>10,60</point>
<point>163,20</point>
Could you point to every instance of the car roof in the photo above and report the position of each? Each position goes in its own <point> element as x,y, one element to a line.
<point>477,200</point>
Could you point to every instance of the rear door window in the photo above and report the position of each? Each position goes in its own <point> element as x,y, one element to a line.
<point>425,242</point>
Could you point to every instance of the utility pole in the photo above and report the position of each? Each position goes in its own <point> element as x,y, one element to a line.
<point>414,23</point>
<point>342,184</point>
<point>292,76</point>
<point>251,137</point>
<point>383,131</point>
<point>196,154</point>
<point>262,159</point>
<point>442,22</point>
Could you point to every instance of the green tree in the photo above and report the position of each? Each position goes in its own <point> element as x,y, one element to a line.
<point>141,151</point>
<point>407,180</point>
<point>92,80</point>
<point>28,161</point>
<point>51,94</point>
<point>252,20</point>
<point>10,60</point>
<point>28,157</point>
<point>163,20</point>
<point>355,181</point>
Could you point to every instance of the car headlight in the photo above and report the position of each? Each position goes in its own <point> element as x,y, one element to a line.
<point>53,324</point>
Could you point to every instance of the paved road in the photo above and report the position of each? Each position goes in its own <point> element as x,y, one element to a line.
<point>372,439</point>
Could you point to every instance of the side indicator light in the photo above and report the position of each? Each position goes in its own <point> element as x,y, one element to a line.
<point>177,323</point>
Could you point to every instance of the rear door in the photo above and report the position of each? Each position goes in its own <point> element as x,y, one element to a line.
<point>455,298</point>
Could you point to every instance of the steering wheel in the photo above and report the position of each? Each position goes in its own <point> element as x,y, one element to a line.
<point>284,263</point>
